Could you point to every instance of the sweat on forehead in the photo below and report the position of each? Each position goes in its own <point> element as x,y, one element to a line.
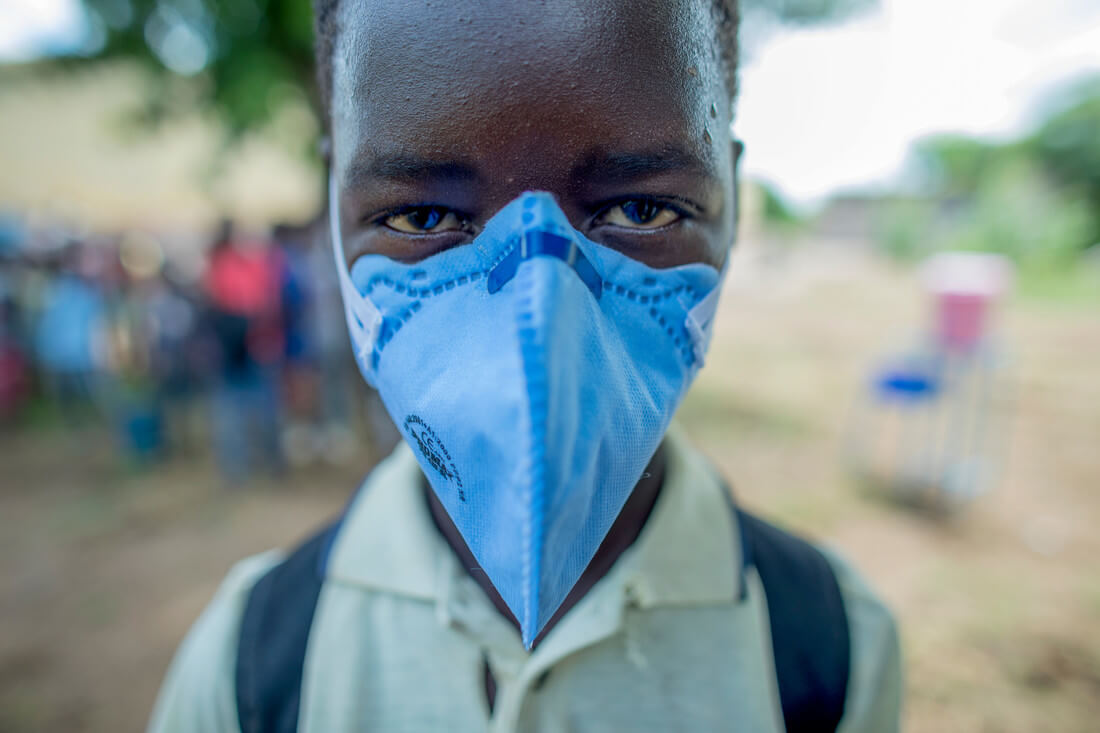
<point>473,23</point>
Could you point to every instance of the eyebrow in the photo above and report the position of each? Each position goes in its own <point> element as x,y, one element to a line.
<point>407,168</point>
<point>627,167</point>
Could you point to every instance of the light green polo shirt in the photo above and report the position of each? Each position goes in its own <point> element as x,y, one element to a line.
<point>666,641</point>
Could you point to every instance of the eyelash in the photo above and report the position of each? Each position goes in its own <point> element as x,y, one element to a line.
<point>382,218</point>
<point>681,208</point>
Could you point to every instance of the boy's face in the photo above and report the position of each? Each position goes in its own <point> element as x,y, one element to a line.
<point>443,111</point>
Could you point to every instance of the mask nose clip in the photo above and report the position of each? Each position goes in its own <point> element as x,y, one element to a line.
<point>539,243</point>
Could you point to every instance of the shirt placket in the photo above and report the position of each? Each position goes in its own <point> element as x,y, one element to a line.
<point>597,617</point>
<point>517,673</point>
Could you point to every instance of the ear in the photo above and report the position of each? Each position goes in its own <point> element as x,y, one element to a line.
<point>737,149</point>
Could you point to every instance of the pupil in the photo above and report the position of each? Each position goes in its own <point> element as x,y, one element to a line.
<point>425,218</point>
<point>640,212</point>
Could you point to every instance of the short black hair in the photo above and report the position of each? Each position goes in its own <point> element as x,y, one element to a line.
<point>325,28</point>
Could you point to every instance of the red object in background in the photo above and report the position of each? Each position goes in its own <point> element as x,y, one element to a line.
<point>966,287</point>
<point>961,319</point>
<point>14,380</point>
<point>243,281</point>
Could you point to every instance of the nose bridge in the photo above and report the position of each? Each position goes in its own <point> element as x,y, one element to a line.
<point>543,231</point>
<point>539,211</point>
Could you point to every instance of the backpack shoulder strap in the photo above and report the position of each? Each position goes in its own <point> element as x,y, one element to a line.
<point>274,630</point>
<point>809,626</point>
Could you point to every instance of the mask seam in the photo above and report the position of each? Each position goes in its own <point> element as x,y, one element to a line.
<point>685,350</point>
<point>389,328</point>
<point>535,480</point>
<point>393,323</point>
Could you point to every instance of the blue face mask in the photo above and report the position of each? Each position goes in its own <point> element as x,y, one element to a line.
<point>534,373</point>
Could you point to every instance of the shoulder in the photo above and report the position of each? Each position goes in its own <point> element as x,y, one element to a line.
<point>808,624</point>
<point>820,608</point>
<point>875,683</point>
<point>866,611</point>
<point>198,693</point>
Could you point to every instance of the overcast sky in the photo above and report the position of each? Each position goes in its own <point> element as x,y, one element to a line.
<point>834,108</point>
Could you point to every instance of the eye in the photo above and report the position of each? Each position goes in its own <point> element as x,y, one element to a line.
<point>424,220</point>
<point>640,214</point>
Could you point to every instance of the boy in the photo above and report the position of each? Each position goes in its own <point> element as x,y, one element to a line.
<point>532,206</point>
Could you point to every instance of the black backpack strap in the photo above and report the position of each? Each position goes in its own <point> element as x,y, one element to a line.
<point>809,627</point>
<point>274,630</point>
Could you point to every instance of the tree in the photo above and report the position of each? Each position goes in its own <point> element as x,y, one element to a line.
<point>1050,178</point>
<point>1068,147</point>
<point>807,12</point>
<point>247,54</point>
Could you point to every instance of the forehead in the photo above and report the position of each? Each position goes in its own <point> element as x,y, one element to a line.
<point>497,76</point>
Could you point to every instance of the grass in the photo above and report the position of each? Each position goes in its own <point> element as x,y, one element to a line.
<point>1073,288</point>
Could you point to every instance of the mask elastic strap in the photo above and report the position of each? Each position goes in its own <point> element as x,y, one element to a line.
<point>700,319</point>
<point>364,318</point>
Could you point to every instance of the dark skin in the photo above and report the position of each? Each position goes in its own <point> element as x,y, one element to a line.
<point>444,112</point>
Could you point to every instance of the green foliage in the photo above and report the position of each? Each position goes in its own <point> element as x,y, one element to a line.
<point>903,229</point>
<point>953,165</point>
<point>775,210</point>
<point>1017,213</point>
<point>251,54</point>
<point>1036,200</point>
<point>1068,147</point>
<point>807,12</point>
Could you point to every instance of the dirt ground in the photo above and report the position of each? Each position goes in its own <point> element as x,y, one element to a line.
<point>103,567</point>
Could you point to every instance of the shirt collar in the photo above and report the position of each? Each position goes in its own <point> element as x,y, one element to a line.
<point>687,553</point>
<point>388,541</point>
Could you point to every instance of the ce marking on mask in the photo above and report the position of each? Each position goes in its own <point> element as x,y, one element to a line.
<point>434,452</point>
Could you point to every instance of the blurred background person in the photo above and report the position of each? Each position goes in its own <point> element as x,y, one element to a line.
<point>300,359</point>
<point>15,375</point>
<point>171,322</point>
<point>70,335</point>
<point>245,318</point>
